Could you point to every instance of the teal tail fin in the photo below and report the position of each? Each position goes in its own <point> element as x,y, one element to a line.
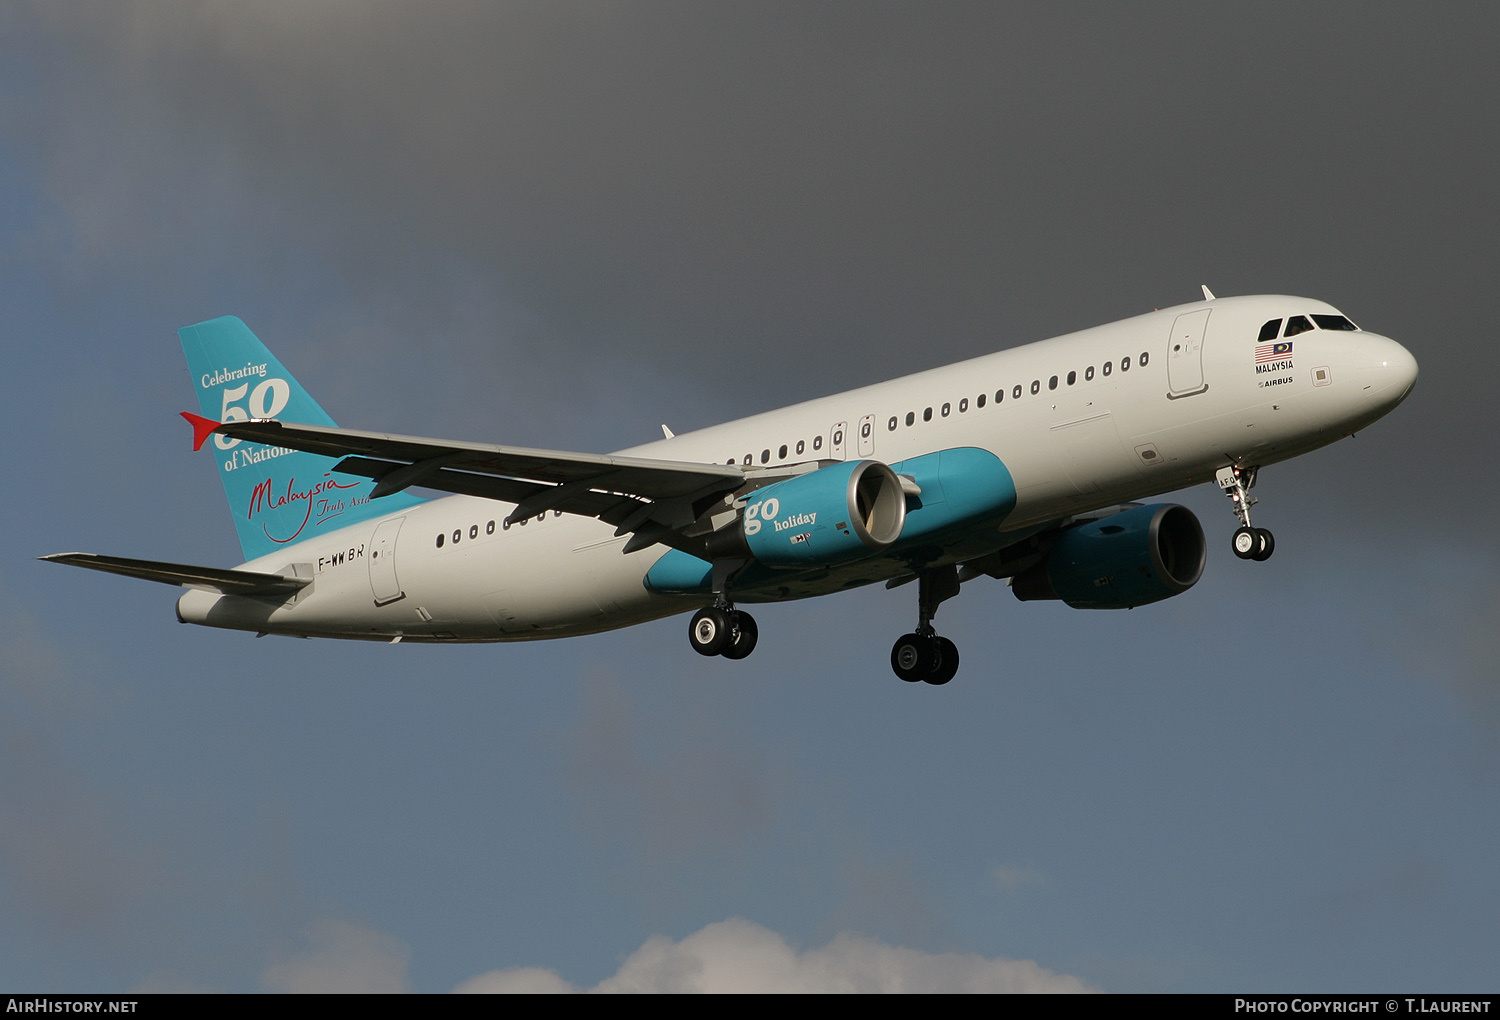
<point>278,497</point>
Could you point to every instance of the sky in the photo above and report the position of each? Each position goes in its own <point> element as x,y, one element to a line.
<point>562,224</point>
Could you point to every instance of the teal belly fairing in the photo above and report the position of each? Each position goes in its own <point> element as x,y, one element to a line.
<point>964,490</point>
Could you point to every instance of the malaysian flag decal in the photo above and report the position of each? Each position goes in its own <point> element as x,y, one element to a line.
<point>1272,352</point>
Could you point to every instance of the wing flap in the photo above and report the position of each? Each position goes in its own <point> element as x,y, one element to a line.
<point>659,500</point>
<point>636,476</point>
<point>215,579</point>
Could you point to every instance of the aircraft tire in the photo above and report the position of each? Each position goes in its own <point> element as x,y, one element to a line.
<point>1246,543</point>
<point>945,667</point>
<point>912,657</point>
<point>710,632</point>
<point>1266,546</point>
<point>745,635</point>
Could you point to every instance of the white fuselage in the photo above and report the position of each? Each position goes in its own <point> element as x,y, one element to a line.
<point>1191,400</point>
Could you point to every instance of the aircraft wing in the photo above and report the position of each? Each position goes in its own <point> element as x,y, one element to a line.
<point>656,500</point>
<point>216,579</point>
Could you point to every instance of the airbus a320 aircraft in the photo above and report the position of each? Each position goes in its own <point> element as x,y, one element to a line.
<point>1022,466</point>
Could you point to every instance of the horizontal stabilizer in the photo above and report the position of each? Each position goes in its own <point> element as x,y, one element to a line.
<point>216,579</point>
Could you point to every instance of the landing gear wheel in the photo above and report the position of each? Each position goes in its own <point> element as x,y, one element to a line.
<point>711,631</point>
<point>946,666</point>
<point>912,657</point>
<point>1247,542</point>
<point>1265,546</point>
<point>745,635</point>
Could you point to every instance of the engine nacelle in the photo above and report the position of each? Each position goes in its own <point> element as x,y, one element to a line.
<point>829,516</point>
<point>1132,558</point>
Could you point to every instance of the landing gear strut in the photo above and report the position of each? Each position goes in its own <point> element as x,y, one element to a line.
<point>1250,543</point>
<point>924,655</point>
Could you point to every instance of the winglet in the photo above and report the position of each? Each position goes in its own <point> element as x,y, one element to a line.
<point>202,428</point>
<point>1208,295</point>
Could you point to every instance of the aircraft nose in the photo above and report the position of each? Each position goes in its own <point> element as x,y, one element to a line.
<point>1391,367</point>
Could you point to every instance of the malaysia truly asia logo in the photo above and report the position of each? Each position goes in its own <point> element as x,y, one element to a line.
<point>320,499</point>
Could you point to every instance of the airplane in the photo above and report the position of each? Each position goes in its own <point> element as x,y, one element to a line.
<point>1026,466</point>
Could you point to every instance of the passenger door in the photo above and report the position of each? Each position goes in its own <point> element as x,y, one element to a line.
<point>384,584</point>
<point>1185,354</point>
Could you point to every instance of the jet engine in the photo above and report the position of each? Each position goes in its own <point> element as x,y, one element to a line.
<point>1128,559</point>
<point>829,516</point>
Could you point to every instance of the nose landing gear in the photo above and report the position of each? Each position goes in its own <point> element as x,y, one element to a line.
<point>1250,543</point>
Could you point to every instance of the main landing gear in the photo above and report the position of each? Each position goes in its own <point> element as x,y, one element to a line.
<point>723,631</point>
<point>925,655</point>
<point>1250,543</point>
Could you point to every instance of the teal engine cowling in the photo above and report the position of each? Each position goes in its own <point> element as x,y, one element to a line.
<point>1131,558</point>
<point>833,515</point>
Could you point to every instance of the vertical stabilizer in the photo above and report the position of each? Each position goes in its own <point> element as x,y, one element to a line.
<point>277,496</point>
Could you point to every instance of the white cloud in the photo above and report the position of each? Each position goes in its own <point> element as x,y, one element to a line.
<point>344,958</point>
<point>741,956</point>
<point>517,981</point>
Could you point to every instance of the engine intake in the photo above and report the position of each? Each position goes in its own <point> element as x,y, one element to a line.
<point>1128,559</point>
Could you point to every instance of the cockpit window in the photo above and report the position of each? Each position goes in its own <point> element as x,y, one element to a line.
<point>1335,322</point>
<point>1269,331</point>
<point>1297,324</point>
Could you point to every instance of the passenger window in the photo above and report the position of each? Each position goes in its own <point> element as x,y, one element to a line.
<point>946,409</point>
<point>1269,331</point>
<point>1145,357</point>
<point>1335,322</point>
<point>473,531</point>
<point>891,425</point>
<point>801,445</point>
<point>979,400</point>
<point>781,453</point>
<point>440,541</point>
<point>1297,324</point>
<point>1072,378</point>
<point>505,524</point>
<point>457,535</point>
<point>963,405</point>
<point>1036,386</point>
<point>1088,373</point>
<point>1015,393</point>
<point>749,458</point>
<point>911,417</point>
<point>489,529</point>
<point>1124,364</point>
<point>927,414</point>
<point>1052,383</point>
<point>817,442</point>
<point>765,456</point>
<point>1107,367</point>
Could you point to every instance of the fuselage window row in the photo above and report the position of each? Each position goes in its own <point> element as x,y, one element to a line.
<point>489,529</point>
<point>894,421</point>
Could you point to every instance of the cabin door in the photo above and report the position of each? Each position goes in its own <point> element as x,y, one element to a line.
<point>383,582</point>
<point>1185,354</point>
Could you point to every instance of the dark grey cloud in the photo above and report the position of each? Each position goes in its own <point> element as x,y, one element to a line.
<point>763,203</point>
